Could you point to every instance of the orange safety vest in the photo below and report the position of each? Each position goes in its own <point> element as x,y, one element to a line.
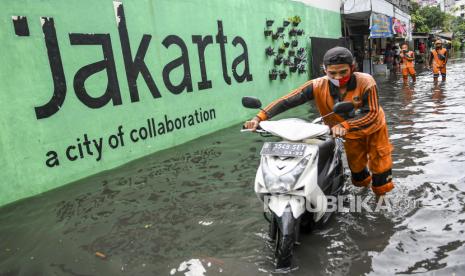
<point>408,63</point>
<point>437,61</point>
<point>357,128</point>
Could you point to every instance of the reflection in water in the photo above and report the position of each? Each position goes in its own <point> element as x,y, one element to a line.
<point>191,209</point>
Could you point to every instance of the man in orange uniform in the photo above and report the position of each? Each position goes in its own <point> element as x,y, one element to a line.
<point>438,59</point>
<point>367,142</point>
<point>408,66</point>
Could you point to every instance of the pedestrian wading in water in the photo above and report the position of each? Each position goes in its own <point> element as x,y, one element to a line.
<point>366,135</point>
<point>407,63</point>
<point>438,60</point>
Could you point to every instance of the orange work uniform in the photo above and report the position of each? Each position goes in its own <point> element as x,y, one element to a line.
<point>408,67</point>
<point>439,62</point>
<point>367,143</point>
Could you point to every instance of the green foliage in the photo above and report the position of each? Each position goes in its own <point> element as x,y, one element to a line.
<point>456,44</point>
<point>420,23</point>
<point>434,17</point>
<point>428,18</point>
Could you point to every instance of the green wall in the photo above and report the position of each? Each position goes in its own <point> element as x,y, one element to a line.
<point>29,143</point>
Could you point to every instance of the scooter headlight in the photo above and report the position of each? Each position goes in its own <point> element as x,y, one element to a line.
<point>286,182</point>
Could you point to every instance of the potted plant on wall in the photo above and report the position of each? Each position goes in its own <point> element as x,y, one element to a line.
<point>293,68</point>
<point>291,52</point>
<point>269,22</point>
<point>296,20</point>
<point>292,32</point>
<point>300,51</point>
<point>300,32</point>
<point>282,74</point>
<point>268,33</point>
<point>280,30</point>
<point>301,68</point>
<point>275,36</point>
<point>286,23</point>
<point>294,43</point>
<point>288,62</point>
<point>278,60</point>
<point>269,51</point>
<point>286,44</point>
<point>282,49</point>
<point>273,74</point>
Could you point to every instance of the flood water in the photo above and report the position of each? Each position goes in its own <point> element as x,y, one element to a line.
<point>192,209</point>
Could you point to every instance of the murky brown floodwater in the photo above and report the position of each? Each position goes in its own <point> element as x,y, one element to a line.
<point>195,203</point>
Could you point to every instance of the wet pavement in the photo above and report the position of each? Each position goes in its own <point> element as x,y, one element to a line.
<point>192,209</point>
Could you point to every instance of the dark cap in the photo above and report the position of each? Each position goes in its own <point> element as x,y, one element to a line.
<point>338,55</point>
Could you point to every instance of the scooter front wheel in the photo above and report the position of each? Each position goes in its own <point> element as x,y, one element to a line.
<point>287,232</point>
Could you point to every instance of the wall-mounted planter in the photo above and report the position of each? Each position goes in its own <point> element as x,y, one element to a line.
<point>269,51</point>
<point>280,30</point>
<point>275,36</point>
<point>288,62</point>
<point>282,75</point>
<point>300,32</point>
<point>269,23</point>
<point>286,23</point>
<point>300,51</point>
<point>297,60</point>
<point>301,68</point>
<point>278,60</point>
<point>286,44</point>
<point>293,68</point>
<point>296,20</point>
<point>292,32</point>
<point>273,74</point>
<point>291,53</point>
<point>294,43</point>
<point>281,50</point>
<point>268,33</point>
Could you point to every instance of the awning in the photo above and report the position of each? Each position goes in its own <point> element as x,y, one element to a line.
<point>447,35</point>
<point>362,9</point>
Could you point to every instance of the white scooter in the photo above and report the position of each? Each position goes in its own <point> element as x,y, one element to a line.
<point>296,176</point>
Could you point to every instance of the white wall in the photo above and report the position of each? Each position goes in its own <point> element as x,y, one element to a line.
<point>458,11</point>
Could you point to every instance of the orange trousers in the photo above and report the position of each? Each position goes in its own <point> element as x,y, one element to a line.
<point>371,153</point>
<point>408,71</point>
<point>437,70</point>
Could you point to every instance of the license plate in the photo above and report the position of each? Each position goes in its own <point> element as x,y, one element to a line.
<point>283,149</point>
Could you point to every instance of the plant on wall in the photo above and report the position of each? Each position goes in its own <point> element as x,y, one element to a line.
<point>294,43</point>
<point>273,74</point>
<point>282,74</point>
<point>292,32</point>
<point>282,49</point>
<point>268,33</point>
<point>269,22</point>
<point>278,60</point>
<point>269,51</point>
<point>295,20</point>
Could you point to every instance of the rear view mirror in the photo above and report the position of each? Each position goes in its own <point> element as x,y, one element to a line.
<point>251,102</point>
<point>343,108</point>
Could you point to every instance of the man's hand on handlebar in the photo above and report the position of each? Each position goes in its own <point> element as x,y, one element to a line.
<point>338,131</point>
<point>252,124</point>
